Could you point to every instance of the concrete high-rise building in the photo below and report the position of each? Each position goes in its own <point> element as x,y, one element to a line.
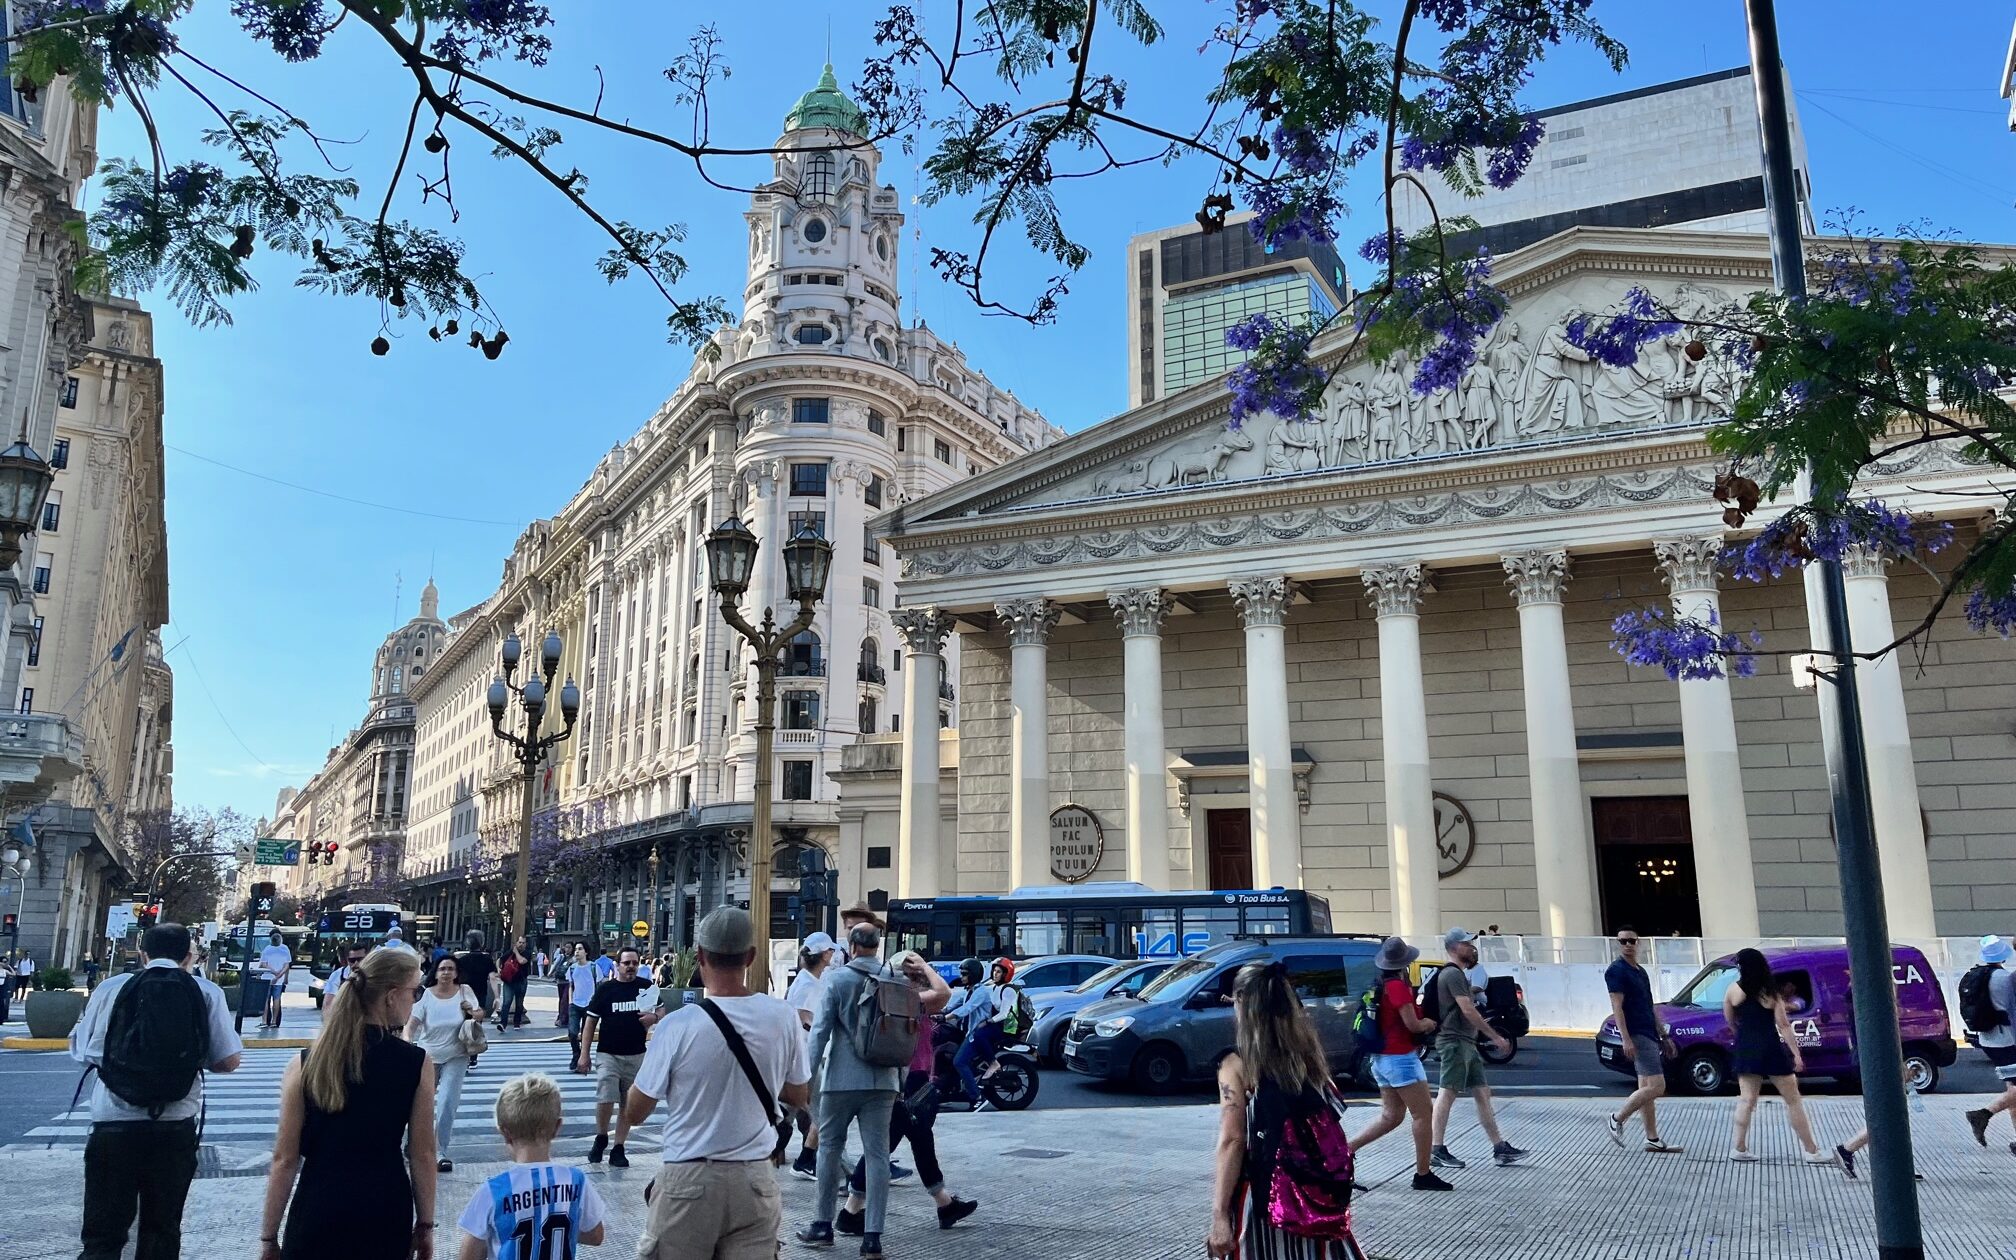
<point>1682,155</point>
<point>1185,287</point>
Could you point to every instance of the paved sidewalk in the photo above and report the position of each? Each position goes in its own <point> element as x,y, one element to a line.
<point>1135,1184</point>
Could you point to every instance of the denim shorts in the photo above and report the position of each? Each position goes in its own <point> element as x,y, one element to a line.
<point>1398,1071</point>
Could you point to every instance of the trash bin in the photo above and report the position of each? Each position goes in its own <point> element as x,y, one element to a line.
<point>252,994</point>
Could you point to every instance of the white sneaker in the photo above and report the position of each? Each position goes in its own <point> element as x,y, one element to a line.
<point>1743,1157</point>
<point>1818,1157</point>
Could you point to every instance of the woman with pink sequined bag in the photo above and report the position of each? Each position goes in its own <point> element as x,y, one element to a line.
<point>1284,1165</point>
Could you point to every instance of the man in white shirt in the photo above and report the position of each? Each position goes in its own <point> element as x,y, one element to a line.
<point>142,1148</point>
<point>716,1195</point>
<point>274,961</point>
<point>803,996</point>
<point>395,938</point>
<point>24,973</point>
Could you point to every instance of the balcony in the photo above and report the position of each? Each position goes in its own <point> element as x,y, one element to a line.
<point>39,752</point>
<point>797,737</point>
<point>802,669</point>
<point>945,691</point>
<point>864,672</point>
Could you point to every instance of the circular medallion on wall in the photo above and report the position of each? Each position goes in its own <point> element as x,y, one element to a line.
<point>1077,843</point>
<point>1455,835</point>
<point>814,230</point>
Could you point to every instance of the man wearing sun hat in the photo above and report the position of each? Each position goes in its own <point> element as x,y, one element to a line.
<point>1999,1042</point>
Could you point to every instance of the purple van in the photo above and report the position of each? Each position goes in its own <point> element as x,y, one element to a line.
<point>1814,982</point>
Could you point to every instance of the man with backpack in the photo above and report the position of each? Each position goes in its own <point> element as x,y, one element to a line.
<point>149,1035</point>
<point>863,1037</point>
<point>1988,1008</point>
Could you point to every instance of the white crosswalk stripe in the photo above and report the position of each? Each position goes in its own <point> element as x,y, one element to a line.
<point>243,1106</point>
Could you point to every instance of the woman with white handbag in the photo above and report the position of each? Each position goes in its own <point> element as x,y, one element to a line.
<point>441,1021</point>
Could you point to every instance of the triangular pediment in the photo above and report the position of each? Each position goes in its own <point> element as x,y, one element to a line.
<point>1529,390</point>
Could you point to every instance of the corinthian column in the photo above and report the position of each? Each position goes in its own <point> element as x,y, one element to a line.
<point>1717,815</point>
<point>1276,812</point>
<point>1886,731</point>
<point>1140,614</point>
<point>1412,863</point>
<point>1029,622</point>
<point>923,629</point>
<point>1564,865</point>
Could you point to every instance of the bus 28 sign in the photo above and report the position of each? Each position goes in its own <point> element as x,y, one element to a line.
<point>1077,843</point>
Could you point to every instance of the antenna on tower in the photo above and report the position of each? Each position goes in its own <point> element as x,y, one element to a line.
<point>915,293</point>
<point>398,589</point>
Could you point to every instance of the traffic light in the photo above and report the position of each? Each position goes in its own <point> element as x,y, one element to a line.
<point>150,914</point>
<point>10,925</point>
<point>324,853</point>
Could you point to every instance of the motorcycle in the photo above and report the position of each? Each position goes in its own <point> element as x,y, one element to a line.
<point>1504,1008</point>
<point>1011,1086</point>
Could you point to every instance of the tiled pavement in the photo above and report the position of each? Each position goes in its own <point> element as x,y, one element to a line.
<point>1134,1184</point>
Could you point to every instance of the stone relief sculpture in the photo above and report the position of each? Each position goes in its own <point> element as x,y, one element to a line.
<point>1524,386</point>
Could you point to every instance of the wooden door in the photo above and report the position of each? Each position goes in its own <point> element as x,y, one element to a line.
<point>1645,865</point>
<point>1229,834</point>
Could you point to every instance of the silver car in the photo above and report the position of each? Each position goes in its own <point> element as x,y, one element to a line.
<point>1054,1010</point>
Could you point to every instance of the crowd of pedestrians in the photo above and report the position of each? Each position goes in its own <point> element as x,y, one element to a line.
<point>367,1112</point>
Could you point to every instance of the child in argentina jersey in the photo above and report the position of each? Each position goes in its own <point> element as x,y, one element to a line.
<point>536,1209</point>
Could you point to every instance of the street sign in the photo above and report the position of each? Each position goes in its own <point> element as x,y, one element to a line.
<point>640,929</point>
<point>276,853</point>
<point>612,927</point>
<point>552,921</point>
<point>118,921</point>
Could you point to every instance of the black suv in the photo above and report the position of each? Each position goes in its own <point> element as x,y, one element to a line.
<point>1181,1024</point>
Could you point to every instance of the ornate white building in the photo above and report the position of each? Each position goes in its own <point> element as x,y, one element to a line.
<point>1368,654</point>
<point>819,409</point>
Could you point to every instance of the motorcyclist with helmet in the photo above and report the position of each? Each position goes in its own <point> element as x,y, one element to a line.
<point>986,1009</point>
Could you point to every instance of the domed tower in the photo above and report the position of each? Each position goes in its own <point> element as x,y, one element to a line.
<point>824,236</point>
<point>409,650</point>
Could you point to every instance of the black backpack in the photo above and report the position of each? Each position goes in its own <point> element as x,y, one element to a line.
<point>1977,1010</point>
<point>157,1040</point>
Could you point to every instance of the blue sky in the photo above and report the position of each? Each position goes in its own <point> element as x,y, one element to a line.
<point>280,596</point>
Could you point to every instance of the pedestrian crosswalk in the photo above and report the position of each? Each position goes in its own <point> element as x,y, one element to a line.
<point>243,1107</point>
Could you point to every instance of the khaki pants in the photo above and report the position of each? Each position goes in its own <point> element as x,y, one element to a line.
<point>704,1210</point>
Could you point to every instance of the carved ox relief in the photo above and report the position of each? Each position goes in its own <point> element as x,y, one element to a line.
<point>1529,385</point>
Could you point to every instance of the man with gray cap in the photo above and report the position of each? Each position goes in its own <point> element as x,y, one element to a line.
<point>851,1090</point>
<point>1458,1023</point>
<point>1996,1035</point>
<point>723,1065</point>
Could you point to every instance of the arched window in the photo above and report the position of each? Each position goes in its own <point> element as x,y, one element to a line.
<point>693,674</point>
<point>802,659</point>
<point>818,185</point>
<point>398,679</point>
<point>870,669</point>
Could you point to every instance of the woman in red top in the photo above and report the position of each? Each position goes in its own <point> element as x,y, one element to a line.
<point>1402,1080</point>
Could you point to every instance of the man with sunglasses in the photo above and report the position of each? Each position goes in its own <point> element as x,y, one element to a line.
<point>1644,1043</point>
<point>620,1011</point>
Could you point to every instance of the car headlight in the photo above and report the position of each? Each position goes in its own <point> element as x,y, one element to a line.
<point>1113,1027</point>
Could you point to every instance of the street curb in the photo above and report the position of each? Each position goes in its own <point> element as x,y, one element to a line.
<point>35,1043</point>
<point>1559,1032</point>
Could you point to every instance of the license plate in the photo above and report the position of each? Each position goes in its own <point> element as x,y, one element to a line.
<point>1606,1053</point>
<point>1070,1050</point>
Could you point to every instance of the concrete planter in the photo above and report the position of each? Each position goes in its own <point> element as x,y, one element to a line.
<point>54,1013</point>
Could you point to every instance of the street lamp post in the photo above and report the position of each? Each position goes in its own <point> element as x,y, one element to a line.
<point>656,893</point>
<point>731,554</point>
<point>531,747</point>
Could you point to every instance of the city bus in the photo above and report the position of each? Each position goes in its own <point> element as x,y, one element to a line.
<point>1117,919</point>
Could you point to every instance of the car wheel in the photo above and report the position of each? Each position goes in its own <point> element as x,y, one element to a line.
<point>1921,1071</point>
<point>1705,1070</point>
<point>1053,1054</point>
<point>1159,1069</point>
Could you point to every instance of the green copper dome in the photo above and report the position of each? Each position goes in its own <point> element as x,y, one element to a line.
<point>826,106</point>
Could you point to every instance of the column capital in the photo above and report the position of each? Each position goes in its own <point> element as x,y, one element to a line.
<point>923,627</point>
<point>1028,621</point>
<point>1536,577</point>
<point>1396,589</point>
<point>1688,564</point>
<point>1859,560</point>
<point>1139,610</point>
<point>1263,601</point>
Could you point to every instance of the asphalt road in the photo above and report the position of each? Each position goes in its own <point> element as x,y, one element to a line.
<point>37,1085</point>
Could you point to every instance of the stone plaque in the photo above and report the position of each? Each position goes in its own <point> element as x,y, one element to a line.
<point>1455,835</point>
<point>1077,843</point>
